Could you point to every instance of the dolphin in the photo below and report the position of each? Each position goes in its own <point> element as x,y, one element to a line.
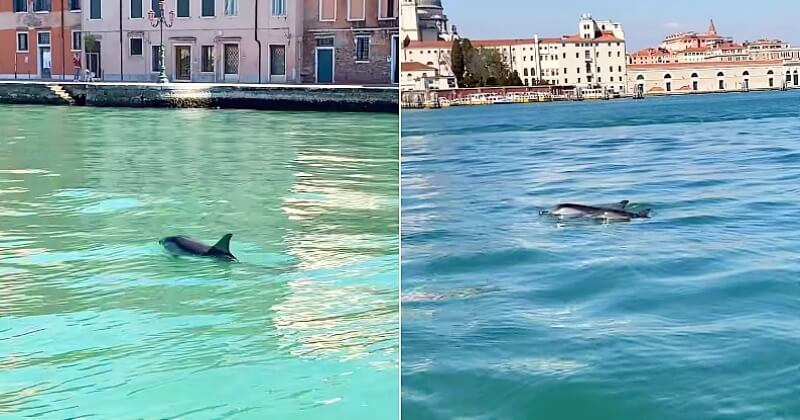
<point>614,212</point>
<point>184,245</point>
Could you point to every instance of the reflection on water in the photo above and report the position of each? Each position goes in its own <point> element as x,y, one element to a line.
<point>99,321</point>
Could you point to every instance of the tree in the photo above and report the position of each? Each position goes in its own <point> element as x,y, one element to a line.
<point>457,60</point>
<point>515,79</point>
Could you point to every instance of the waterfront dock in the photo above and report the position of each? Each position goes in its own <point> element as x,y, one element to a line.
<point>203,95</point>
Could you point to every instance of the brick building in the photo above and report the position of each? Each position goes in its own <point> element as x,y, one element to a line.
<point>351,42</point>
<point>38,38</point>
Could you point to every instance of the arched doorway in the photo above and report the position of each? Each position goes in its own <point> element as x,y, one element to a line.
<point>745,80</point>
<point>668,82</point>
<point>771,79</point>
<point>640,83</point>
<point>695,83</point>
<point>721,80</point>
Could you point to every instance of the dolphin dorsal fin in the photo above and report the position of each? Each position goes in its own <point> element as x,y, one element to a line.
<point>624,203</point>
<point>224,244</point>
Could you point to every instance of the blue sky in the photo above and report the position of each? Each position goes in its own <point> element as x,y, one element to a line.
<point>646,22</point>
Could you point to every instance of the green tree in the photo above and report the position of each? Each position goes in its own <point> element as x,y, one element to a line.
<point>457,60</point>
<point>515,79</point>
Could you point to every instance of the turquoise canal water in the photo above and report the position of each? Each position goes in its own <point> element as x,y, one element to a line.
<point>692,314</point>
<point>98,321</point>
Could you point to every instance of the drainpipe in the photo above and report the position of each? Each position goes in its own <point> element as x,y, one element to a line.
<point>63,48</point>
<point>121,45</point>
<point>259,43</point>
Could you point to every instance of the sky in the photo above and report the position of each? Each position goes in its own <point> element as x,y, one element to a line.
<point>645,22</point>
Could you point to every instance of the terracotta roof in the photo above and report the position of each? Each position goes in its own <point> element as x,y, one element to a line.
<point>656,89</point>
<point>731,47</point>
<point>704,64</point>
<point>500,42</point>
<point>684,87</point>
<point>650,52</point>
<point>430,44</point>
<point>414,66</point>
<point>607,36</point>
<point>697,49</point>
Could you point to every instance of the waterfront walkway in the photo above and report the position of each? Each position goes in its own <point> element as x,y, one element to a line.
<point>203,95</point>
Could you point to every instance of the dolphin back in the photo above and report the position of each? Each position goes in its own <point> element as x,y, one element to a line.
<point>222,248</point>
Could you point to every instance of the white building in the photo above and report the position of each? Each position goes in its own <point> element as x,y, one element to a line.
<point>691,62</point>
<point>419,77</point>
<point>594,57</point>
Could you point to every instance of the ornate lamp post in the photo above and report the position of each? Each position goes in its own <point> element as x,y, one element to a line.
<point>161,21</point>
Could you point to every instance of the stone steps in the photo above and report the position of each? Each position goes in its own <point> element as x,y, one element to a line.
<point>61,93</point>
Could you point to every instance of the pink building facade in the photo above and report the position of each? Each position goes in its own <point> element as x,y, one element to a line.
<point>234,41</point>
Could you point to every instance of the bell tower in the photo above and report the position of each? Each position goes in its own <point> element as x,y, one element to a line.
<point>409,21</point>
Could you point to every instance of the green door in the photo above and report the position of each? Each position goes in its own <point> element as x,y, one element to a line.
<point>324,65</point>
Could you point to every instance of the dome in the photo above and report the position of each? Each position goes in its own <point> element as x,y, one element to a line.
<point>430,4</point>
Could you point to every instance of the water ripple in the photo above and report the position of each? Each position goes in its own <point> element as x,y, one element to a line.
<point>509,315</point>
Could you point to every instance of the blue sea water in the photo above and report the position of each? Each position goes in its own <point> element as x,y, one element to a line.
<point>692,314</point>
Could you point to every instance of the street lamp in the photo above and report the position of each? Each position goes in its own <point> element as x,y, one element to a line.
<point>161,21</point>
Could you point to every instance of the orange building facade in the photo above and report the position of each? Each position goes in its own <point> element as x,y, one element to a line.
<point>40,39</point>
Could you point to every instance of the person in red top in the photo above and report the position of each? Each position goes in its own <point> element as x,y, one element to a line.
<point>76,61</point>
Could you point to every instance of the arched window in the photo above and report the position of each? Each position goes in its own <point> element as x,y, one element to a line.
<point>720,74</point>
<point>694,75</point>
<point>770,72</point>
<point>430,63</point>
<point>746,73</point>
<point>640,77</point>
<point>668,76</point>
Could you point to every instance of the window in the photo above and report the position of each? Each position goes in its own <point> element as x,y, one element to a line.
<point>155,67</point>
<point>278,7</point>
<point>525,72</point>
<point>156,7</point>
<point>232,7</point>
<point>22,42</point>
<point>20,6</point>
<point>356,9</point>
<point>619,68</point>
<point>565,70</point>
<point>74,5</point>
<point>327,9</point>
<point>362,48</point>
<point>95,12</point>
<point>611,69</point>
<point>277,60</point>
<point>325,42</point>
<point>183,8</point>
<point>136,46</point>
<point>41,5</point>
<point>136,9</point>
<point>208,8</point>
<point>43,38</point>
<point>207,59</point>
<point>76,40</point>
<point>231,58</point>
<point>387,9</point>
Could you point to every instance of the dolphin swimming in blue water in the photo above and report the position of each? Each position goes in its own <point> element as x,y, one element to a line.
<point>184,245</point>
<point>614,212</point>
